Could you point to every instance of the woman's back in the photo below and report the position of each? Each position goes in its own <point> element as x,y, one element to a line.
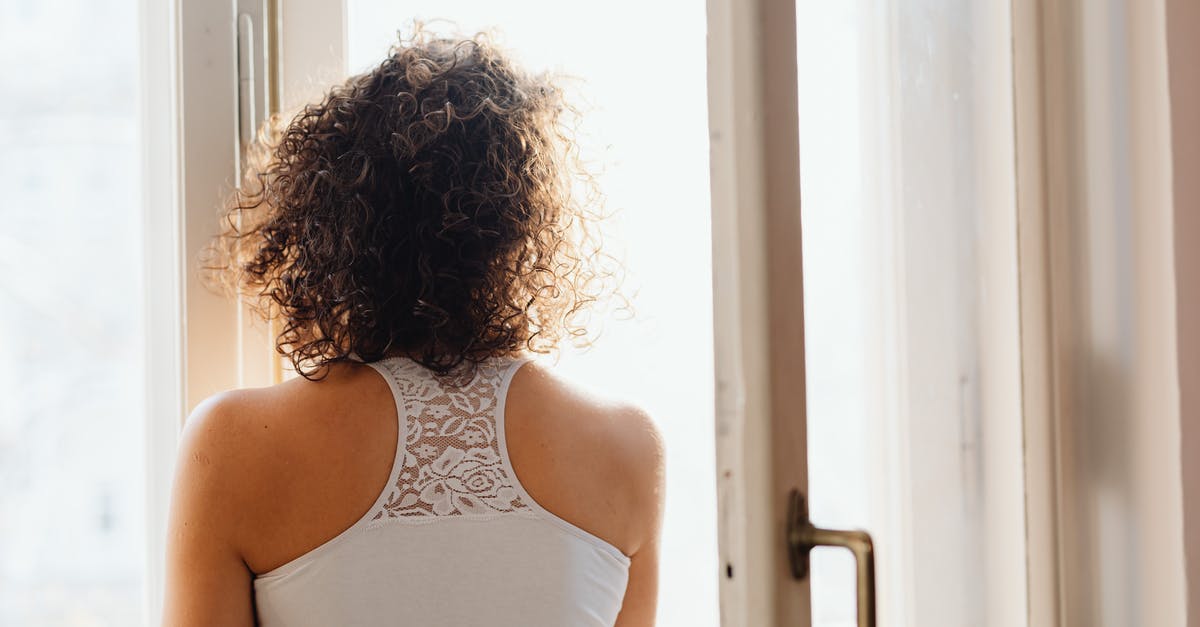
<point>513,499</point>
<point>453,538</point>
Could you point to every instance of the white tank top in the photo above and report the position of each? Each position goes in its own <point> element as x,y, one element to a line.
<point>453,540</point>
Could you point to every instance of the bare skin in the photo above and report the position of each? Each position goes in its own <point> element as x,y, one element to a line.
<point>264,475</point>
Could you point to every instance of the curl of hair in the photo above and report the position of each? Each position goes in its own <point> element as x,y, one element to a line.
<point>433,207</point>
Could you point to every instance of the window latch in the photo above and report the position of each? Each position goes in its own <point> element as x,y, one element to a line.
<point>803,536</point>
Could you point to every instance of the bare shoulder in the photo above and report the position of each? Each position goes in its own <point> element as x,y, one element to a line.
<point>616,431</point>
<point>209,493</point>
<point>260,455</point>
<point>219,432</point>
<point>603,450</point>
<point>224,441</point>
<point>256,425</point>
<point>207,579</point>
<point>232,431</point>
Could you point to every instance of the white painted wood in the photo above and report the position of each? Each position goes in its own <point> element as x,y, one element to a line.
<point>1037,385</point>
<point>224,345</point>
<point>1152,426</point>
<point>1005,598</point>
<point>1101,294</point>
<point>739,304</point>
<point>312,49</point>
<point>208,169</point>
<point>254,36</point>
<point>758,305</point>
<point>159,104</point>
<point>1183,48</point>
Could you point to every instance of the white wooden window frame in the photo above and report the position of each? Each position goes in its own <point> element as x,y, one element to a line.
<point>1183,48</point>
<point>1052,47</point>
<point>757,273</point>
<point>761,442</point>
<point>1109,91</point>
<point>199,343</point>
<point>164,307</point>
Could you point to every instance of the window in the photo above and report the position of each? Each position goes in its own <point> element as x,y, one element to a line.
<point>72,523</point>
<point>909,211</point>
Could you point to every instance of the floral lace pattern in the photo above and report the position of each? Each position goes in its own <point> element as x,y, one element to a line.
<point>452,463</point>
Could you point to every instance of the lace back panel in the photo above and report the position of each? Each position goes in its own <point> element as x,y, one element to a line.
<point>453,459</point>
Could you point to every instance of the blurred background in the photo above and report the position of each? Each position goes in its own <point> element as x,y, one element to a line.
<point>72,383</point>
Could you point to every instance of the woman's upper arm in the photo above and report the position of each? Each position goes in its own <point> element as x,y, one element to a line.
<point>207,582</point>
<point>641,593</point>
<point>646,463</point>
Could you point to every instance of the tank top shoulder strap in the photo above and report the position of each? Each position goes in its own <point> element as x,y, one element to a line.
<point>506,371</point>
<point>525,501</point>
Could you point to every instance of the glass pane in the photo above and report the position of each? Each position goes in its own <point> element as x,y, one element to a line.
<point>71,391</point>
<point>646,129</point>
<point>905,166</point>
<point>835,289</point>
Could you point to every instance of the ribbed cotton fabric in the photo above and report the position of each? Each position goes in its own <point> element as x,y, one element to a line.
<point>454,540</point>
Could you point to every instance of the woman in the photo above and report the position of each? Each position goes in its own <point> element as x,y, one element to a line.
<point>417,235</point>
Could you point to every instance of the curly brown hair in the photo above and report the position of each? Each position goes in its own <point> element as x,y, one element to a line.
<point>434,206</point>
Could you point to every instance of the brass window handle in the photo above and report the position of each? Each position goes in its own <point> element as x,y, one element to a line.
<point>802,536</point>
